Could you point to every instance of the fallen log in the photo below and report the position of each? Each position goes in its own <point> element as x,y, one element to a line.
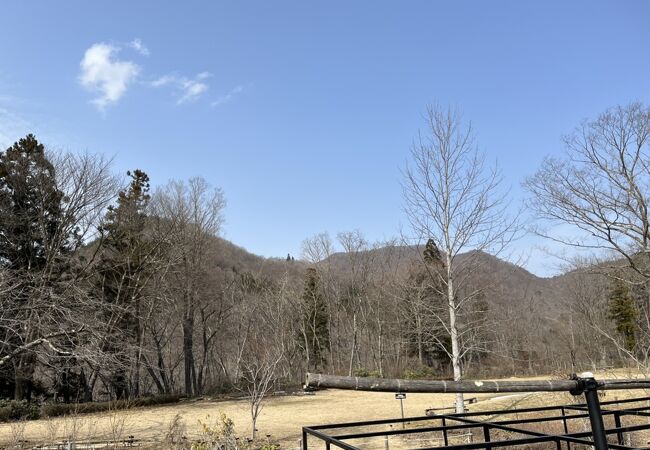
<point>320,381</point>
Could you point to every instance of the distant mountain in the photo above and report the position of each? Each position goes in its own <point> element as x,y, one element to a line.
<point>507,283</point>
<point>509,279</point>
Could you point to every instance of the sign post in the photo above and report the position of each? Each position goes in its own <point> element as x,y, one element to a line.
<point>401,396</point>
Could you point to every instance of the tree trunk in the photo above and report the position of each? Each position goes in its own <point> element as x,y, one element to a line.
<point>453,327</point>
<point>418,321</point>
<point>381,351</point>
<point>188,354</point>
<point>354,342</point>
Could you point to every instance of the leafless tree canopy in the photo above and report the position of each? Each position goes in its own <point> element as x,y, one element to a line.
<point>601,186</point>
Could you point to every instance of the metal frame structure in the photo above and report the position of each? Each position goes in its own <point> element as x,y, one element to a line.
<point>443,426</point>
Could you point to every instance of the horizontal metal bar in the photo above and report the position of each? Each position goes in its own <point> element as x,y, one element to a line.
<point>473,424</point>
<point>478,445</point>
<point>331,440</point>
<point>399,431</point>
<point>563,437</point>
<point>368,423</point>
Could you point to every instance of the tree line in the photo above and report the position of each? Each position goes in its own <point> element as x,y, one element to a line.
<point>111,289</point>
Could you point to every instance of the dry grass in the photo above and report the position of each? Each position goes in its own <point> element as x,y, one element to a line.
<point>282,416</point>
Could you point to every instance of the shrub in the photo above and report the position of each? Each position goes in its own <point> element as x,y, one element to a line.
<point>361,372</point>
<point>421,373</point>
<point>18,410</point>
<point>62,409</point>
<point>219,435</point>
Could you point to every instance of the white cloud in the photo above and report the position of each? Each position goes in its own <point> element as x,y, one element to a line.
<point>137,45</point>
<point>190,89</point>
<point>102,72</point>
<point>163,81</point>
<point>229,96</point>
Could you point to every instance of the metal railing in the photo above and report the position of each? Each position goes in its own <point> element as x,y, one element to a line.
<point>442,427</point>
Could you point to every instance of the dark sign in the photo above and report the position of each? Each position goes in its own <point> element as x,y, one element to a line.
<point>400,396</point>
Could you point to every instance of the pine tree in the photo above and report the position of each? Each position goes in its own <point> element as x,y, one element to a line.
<point>622,310</point>
<point>431,254</point>
<point>315,320</point>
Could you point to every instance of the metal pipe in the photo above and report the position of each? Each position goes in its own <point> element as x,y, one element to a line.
<point>595,414</point>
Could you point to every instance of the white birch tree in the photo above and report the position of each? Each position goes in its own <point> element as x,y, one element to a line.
<point>454,198</point>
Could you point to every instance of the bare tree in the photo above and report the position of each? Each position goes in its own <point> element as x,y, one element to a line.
<point>318,250</point>
<point>192,212</point>
<point>601,187</point>
<point>264,346</point>
<point>355,289</point>
<point>452,197</point>
<point>51,203</point>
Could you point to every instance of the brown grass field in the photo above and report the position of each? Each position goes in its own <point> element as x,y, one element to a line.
<point>282,417</point>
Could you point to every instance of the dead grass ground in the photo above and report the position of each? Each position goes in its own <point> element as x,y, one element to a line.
<point>282,416</point>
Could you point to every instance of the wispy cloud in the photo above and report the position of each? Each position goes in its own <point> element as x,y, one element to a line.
<point>104,73</point>
<point>189,89</point>
<point>227,97</point>
<point>163,81</point>
<point>137,45</point>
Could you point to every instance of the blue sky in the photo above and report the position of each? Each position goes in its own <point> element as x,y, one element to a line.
<point>303,112</point>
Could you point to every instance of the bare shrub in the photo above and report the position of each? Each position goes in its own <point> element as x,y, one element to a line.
<point>220,434</point>
<point>174,436</point>
<point>18,435</point>
<point>117,422</point>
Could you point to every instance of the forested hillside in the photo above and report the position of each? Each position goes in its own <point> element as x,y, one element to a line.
<point>111,289</point>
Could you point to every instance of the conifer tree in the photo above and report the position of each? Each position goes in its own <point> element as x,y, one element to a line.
<point>30,206</point>
<point>123,272</point>
<point>31,245</point>
<point>622,310</point>
<point>315,321</point>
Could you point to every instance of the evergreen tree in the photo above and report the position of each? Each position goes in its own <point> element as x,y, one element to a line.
<point>431,254</point>
<point>32,244</point>
<point>123,271</point>
<point>425,339</point>
<point>315,320</point>
<point>30,207</point>
<point>622,310</point>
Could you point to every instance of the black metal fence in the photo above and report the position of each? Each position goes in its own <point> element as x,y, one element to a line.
<point>618,424</point>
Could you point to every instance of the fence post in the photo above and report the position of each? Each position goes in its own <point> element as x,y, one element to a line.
<point>486,436</point>
<point>566,427</point>
<point>589,386</point>
<point>304,439</point>
<point>444,432</point>
<point>617,424</point>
